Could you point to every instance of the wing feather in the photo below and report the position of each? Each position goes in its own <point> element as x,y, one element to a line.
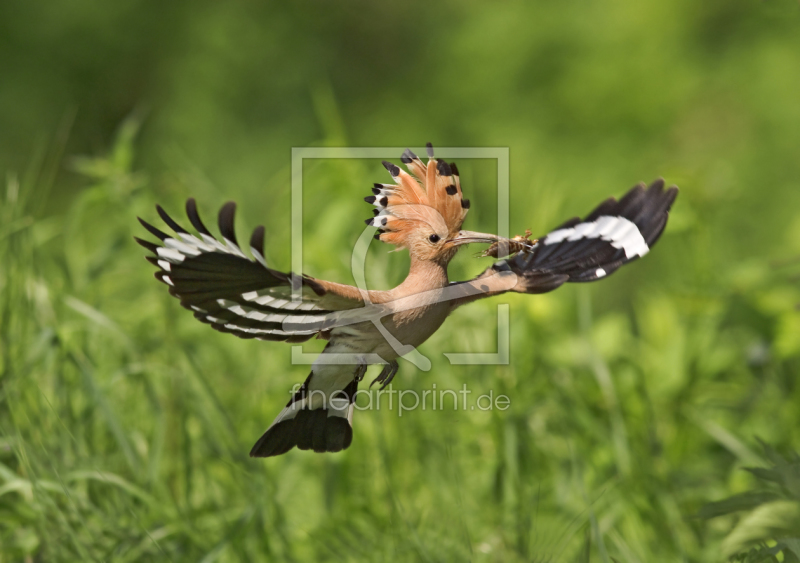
<point>235,294</point>
<point>583,250</point>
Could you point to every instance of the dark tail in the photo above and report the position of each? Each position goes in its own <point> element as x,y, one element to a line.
<point>318,417</point>
<point>308,430</point>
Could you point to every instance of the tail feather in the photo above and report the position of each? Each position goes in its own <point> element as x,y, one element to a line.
<point>319,416</point>
<point>309,430</point>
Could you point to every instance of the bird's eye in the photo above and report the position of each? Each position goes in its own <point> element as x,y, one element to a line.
<point>434,238</point>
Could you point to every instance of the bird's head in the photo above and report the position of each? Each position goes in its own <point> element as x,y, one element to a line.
<point>423,210</point>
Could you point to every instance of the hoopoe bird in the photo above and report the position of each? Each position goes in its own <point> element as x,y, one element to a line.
<point>422,210</point>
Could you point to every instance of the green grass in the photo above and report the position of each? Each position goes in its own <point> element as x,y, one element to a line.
<point>636,402</point>
<point>126,424</point>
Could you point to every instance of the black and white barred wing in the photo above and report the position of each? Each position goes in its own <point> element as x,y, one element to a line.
<point>237,294</point>
<point>615,233</point>
<point>584,250</point>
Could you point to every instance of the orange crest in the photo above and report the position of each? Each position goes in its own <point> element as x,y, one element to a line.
<point>429,196</point>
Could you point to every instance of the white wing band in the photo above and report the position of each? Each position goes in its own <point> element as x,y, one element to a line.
<point>619,231</point>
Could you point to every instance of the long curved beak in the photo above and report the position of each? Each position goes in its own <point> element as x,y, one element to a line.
<point>468,237</point>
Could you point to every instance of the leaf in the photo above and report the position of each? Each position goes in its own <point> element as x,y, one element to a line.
<point>766,522</point>
<point>735,503</point>
<point>772,455</point>
<point>726,439</point>
<point>791,546</point>
<point>765,474</point>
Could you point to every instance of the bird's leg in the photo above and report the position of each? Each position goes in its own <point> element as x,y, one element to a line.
<point>361,369</point>
<point>385,377</point>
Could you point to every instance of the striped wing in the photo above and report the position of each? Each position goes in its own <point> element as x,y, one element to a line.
<point>234,293</point>
<point>584,250</point>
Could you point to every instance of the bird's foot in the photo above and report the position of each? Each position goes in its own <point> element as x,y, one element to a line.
<point>361,369</point>
<point>385,377</point>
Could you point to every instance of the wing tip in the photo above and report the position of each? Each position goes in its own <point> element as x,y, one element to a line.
<point>153,231</point>
<point>147,244</point>
<point>227,215</point>
<point>194,217</point>
<point>171,223</point>
<point>257,240</point>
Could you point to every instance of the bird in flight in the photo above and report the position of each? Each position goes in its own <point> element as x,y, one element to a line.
<point>422,210</point>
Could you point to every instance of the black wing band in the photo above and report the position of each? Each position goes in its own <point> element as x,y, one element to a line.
<point>225,288</point>
<point>583,250</point>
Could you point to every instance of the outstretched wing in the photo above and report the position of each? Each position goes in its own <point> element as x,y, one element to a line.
<point>234,293</point>
<point>583,250</point>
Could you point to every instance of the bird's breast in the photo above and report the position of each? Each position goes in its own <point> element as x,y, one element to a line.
<point>408,327</point>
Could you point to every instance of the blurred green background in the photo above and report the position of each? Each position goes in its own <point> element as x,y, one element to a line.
<point>635,402</point>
